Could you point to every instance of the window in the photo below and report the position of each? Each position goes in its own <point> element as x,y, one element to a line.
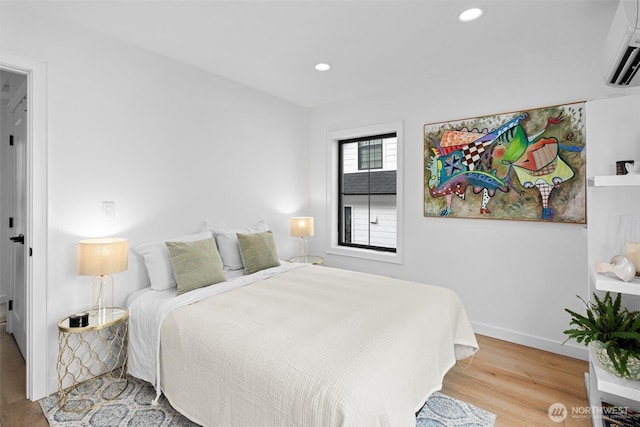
<point>365,200</point>
<point>346,224</point>
<point>370,154</point>
<point>367,192</point>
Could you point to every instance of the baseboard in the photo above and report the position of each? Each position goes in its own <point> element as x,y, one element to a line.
<point>568,349</point>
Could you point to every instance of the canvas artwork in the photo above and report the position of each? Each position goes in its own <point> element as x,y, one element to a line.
<point>526,165</point>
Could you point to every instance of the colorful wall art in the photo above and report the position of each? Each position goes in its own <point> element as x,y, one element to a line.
<point>526,165</point>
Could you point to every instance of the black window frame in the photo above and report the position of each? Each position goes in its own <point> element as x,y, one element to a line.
<point>341,144</point>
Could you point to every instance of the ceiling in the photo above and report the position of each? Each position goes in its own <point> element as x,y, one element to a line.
<point>372,46</point>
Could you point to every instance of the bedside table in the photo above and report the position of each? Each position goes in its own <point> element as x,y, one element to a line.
<point>309,259</point>
<point>89,356</point>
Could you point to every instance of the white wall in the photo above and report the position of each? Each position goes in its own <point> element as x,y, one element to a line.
<point>171,145</point>
<point>514,277</point>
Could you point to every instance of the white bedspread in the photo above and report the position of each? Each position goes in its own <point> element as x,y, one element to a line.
<point>314,346</point>
<point>148,308</point>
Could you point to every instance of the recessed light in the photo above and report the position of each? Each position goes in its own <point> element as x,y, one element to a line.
<point>322,66</point>
<point>470,15</point>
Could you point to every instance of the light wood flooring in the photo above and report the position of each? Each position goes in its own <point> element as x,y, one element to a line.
<point>515,382</point>
<point>15,410</point>
<point>519,384</point>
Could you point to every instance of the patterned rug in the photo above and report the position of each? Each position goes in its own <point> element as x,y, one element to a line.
<point>132,409</point>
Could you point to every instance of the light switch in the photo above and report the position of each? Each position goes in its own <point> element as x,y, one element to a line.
<point>108,210</point>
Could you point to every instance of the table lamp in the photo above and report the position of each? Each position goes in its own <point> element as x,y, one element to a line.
<point>302,227</point>
<point>100,258</point>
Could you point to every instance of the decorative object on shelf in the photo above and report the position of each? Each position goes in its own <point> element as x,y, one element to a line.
<point>628,238</point>
<point>514,163</point>
<point>302,227</point>
<point>632,251</point>
<point>620,265</point>
<point>619,416</point>
<point>633,363</point>
<point>633,167</point>
<point>100,258</point>
<point>612,327</point>
<point>621,166</point>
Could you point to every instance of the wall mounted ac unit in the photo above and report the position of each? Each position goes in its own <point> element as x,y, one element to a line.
<point>621,58</point>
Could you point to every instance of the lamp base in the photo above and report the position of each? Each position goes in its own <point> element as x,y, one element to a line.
<point>302,247</point>
<point>102,292</point>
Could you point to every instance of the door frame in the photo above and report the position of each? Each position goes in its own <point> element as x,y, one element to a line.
<point>36,228</point>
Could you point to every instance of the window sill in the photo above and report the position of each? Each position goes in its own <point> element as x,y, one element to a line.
<point>369,254</point>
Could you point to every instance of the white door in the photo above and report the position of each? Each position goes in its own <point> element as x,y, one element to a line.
<point>17,315</point>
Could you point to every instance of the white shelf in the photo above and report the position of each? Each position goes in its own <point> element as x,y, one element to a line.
<point>608,282</point>
<point>614,180</point>
<point>593,396</point>
<point>603,209</point>
<point>609,383</point>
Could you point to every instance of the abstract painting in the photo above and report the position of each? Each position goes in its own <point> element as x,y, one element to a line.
<point>525,165</point>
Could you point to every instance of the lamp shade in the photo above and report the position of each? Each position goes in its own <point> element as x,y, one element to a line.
<point>99,257</point>
<point>302,226</point>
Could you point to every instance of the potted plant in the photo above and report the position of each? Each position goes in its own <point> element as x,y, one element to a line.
<point>615,332</point>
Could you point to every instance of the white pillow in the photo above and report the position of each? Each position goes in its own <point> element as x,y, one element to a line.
<point>158,263</point>
<point>227,242</point>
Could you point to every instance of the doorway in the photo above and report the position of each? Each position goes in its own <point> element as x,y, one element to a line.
<point>13,136</point>
<point>35,224</point>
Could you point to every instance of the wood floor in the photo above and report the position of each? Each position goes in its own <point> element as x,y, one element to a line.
<point>15,410</point>
<point>515,382</point>
<point>519,384</point>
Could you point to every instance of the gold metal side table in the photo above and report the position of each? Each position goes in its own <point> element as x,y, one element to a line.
<point>92,359</point>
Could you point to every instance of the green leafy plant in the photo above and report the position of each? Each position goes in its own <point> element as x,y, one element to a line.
<point>617,328</point>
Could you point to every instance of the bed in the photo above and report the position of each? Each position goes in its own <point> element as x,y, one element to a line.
<point>298,345</point>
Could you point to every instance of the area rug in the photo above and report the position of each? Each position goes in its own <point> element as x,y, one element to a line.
<point>132,409</point>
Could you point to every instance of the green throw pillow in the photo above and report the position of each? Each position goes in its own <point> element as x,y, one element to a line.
<point>195,264</point>
<point>258,251</point>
